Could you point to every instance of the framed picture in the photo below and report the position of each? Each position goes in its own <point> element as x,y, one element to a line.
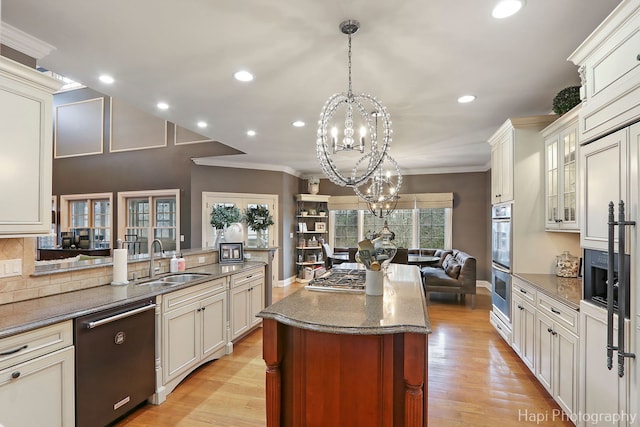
<point>230,253</point>
<point>321,226</point>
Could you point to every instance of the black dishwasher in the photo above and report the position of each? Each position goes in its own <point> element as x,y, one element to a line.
<point>115,362</point>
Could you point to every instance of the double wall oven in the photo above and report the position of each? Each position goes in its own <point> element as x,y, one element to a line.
<point>501,245</point>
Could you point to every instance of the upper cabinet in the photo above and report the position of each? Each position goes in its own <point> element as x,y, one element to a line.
<point>502,167</point>
<point>609,66</point>
<point>560,173</point>
<point>25,142</point>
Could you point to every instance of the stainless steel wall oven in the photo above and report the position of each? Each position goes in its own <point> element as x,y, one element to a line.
<point>501,259</point>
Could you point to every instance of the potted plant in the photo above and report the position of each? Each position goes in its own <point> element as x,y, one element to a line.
<point>566,99</point>
<point>259,218</point>
<point>221,217</point>
<point>322,211</point>
<point>304,212</point>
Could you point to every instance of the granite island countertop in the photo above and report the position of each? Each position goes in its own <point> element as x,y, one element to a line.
<point>402,308</point>
<point>567,290</point>
<point>26,315</point>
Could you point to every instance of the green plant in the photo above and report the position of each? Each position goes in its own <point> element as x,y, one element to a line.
<point>566,99</point>
<point>222,216</point>
<point>258,217</point>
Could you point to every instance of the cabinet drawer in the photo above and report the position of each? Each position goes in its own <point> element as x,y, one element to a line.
<point>247,277</point>
<point>559,312</point>
<point>183,297</point>
<point>28,345</point>
<point>523,290</point>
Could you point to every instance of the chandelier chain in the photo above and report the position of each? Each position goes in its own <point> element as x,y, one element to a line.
<point>350,92</point>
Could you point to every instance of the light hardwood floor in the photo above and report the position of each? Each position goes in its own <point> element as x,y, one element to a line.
<point>475,379</point>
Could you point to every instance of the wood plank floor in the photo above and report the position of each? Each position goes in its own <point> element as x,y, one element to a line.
<point>475,379</point>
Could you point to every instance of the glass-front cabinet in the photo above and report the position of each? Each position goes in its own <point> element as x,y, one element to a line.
<point>561,171</point>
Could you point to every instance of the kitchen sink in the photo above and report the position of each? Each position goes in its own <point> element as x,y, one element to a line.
<point>176,279</point>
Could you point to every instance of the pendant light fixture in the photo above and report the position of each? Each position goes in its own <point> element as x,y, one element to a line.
<point>338,148</point>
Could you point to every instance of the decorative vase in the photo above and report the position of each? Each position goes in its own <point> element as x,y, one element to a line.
<point>262,238</point>
<point>218,237</point>
<point>384,249</point>
<point>313,187</point>
<point>373,283</point>
<point>234,233</point>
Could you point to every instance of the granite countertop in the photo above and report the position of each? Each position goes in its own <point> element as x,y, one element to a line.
<point>567,290</point>
<point>26,315</point>
<point>402,308</point>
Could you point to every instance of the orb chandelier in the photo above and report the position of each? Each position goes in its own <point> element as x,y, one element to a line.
<point>337,146</point>
<point>382,209</point>
<point>383,184</point>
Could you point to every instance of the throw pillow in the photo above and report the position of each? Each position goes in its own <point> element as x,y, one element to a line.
<point>451,266</point>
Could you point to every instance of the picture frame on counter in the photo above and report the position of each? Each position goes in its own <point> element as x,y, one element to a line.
<point>231,253</point>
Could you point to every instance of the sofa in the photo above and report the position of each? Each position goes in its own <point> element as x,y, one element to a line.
<point>455,273</point>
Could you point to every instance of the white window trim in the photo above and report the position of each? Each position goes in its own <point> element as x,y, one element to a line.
<point>122,210</point>
<point>64,208</point>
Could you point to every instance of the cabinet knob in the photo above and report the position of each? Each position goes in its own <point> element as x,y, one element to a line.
<point>520,307</point>
<point>638,57</point>
<point>550,330</point>
<point>15,374</point>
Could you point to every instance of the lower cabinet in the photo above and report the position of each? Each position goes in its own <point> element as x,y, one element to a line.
<point>247,300</point>
<point>194,324</point>
<point>545,336</point>
<point>37,371</point>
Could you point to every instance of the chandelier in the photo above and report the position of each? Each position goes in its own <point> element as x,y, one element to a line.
<point>338,147</point>
<point>381,190</point>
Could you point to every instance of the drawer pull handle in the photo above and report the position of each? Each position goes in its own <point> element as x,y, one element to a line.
<point>550,330</point>
<point>638,57</point>
<point>6,353</point>
<point>523,291</point>
<point>520,307</point>
<point>15,374</point>
<point>553,310</point>
<point>249,276</point>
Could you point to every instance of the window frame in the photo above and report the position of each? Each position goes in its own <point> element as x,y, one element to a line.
<point>65,211</point>
<point>151,195</point>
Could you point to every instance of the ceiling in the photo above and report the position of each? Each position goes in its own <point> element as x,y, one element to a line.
<point>416,56</point>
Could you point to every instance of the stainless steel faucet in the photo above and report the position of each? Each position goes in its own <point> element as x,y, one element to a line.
<point>152,270</point>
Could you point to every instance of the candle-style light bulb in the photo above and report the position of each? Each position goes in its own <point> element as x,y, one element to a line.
<point>363,133</point>
<point>334,139</point>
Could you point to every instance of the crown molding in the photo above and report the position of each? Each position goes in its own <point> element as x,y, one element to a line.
<point>23,42</point>
<point>212,161</point>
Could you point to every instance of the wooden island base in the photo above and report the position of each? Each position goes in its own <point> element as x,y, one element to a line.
<point>329,379</point>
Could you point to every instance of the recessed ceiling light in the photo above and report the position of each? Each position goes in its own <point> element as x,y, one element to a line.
<point>243,76</point>
<point>298,123</point>
<point>251,132</point>
<point>163,105</point>
<point>106,79</point>
<point>466,98</point>
<point>202,124</point>
<point>506,8</point>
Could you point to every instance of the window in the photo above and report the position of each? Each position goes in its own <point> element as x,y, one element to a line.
<point>88,214</point>
<point>145,216</point>
<point>420,221</point>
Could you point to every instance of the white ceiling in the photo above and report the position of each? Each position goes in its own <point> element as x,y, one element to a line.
<point>416,56</point>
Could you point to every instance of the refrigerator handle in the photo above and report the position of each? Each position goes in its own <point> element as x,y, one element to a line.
<point>610,261</point>
<point>622,292</point>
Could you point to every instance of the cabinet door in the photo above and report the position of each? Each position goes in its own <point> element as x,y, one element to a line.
<point>256,301</point>
<point>239,310</point>
<point>496,169</point>
<point>568,184</point>
<point>506,164</point>
<point>565,378</point>
<point>181,339</point>
<point>25,141</point>
<point>544,352</point>
<point>214,323</point>
<point>42,394</point>
<point>603,170</point>
<point>601,391</point>
<point>551,178</point>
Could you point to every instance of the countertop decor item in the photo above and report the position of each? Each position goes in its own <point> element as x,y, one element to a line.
<point>354,114</point>
<point>566,99</point>
<point>567,265</point>
<point>258,217</point>
<point>221,217</point>
<point>313,185</point>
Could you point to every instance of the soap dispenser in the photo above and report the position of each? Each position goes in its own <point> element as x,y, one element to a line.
<point>173,264</point>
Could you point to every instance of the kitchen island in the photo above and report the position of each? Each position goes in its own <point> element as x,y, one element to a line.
<point>346,358</point>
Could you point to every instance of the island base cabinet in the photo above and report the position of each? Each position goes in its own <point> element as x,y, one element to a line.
<point>39,392</point>
<point>323,379</point>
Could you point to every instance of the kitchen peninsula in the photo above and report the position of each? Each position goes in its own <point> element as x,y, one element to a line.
<point>346,358</point>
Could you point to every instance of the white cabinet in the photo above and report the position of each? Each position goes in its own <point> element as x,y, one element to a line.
<point>502,167</point>
<point>609,66</point>
<point>604,173</point>
<point>37,371</point>
<point>25,139</point>
<point>601,390</point>
<point>246,300</point>
<point>561,173</point>
<point>194,325</point>
<point>523,320</point>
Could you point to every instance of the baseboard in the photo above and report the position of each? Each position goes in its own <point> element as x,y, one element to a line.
<point>483,284</point>
<point>284,283</point>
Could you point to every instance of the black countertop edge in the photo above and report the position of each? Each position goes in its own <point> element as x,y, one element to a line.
<point>23,316</point>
